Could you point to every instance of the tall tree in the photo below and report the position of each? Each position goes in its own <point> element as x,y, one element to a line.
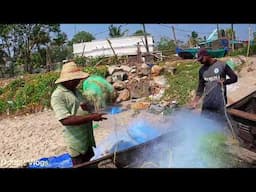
<point>9,46</point>
<point>82,36</point>
<point>254,37</point>
<point>166,45</point>
<point>194,39</point>
<point>139,33</point>
<point>58,49</point>
<point>222,33</point>
<point>21,41</point>
<point>116,31</point>
<point>229,34</point>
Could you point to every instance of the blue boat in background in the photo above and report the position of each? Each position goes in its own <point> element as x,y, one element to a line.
<point>220,49</point>
<point>191,53</point>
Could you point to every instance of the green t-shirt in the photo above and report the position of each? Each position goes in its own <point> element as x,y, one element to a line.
<point>78,137</point>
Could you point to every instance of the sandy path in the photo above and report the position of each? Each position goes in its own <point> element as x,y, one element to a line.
<point>245,85</point>
<point>31,137</point>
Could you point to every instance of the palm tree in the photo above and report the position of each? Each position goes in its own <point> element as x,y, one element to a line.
<point>139,33</point>
<point>229,34</point>
<point>194,39</point>
<point>116,31</point>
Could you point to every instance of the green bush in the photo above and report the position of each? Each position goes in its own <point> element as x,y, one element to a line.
<point>243,51</point>
<point>94,61</point>
<point>183,82</point>
<point>30,92</point>
<point>2,106</point>
<point>101,70</point>
<point>81,61</point>
<point>214,151</point>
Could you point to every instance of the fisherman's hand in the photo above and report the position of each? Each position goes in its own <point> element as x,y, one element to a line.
<point>220,81</point>
<point>193,105</point>
<point>86,107</point>
<point>98,116</point>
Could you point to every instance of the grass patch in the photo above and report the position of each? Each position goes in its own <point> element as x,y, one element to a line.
<point>28,93</point>
<point>183,82</point>
<point>214,151</point>
<point>32,93</point>
<point>100,70</point>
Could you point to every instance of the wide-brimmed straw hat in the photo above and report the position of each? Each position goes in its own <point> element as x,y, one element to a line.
<point>71,71</point>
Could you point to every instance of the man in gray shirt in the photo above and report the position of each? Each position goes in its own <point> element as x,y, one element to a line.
<point>212,84</point>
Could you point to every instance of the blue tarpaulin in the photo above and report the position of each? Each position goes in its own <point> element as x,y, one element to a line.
<point>62,161</point>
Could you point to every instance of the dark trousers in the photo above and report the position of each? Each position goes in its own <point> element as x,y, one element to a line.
<point>82,158</point>
<point>214,115</point>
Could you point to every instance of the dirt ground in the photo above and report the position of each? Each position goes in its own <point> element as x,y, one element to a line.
<point>31,137</point>
<point>246,83</point>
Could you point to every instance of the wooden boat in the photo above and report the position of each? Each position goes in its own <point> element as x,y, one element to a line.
<point>243,119</point>
<point>131,157</point>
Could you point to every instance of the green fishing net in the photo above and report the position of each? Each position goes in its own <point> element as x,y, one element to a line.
<point>98,91</point>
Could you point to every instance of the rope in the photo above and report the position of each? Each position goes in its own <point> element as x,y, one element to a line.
<point>116,147</point>
<point>170,161</point>
<point>226,114</point>
<point>225,110</point>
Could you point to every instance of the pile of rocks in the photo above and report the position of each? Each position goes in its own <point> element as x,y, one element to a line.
<point>137,81</point>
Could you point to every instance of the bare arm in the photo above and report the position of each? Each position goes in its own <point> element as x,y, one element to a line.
<point>78,120</point>
<point>231,74</point>
<point>199,91</point>
<point>200,88</point>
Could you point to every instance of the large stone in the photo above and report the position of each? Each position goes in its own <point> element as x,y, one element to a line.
<point>119,85</point>
<point>139,88</point>
<point>120,75</point>
<point>143,72</point>
<point>125,68</point>
<point>160,80</point>
<point>109,79</point>
<point>155,89</point>
<point>112,69</point>
<point>144,66</point>
<point>140,105</point>
<point>124,95</point>
<point>158,96</point>
<point>156,70</point>
<point>171,70</point>
<point>133,71</point>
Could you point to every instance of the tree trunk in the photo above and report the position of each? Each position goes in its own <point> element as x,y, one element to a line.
<point>48,59</point>
<point>12,67</point>
<point>26,65</point>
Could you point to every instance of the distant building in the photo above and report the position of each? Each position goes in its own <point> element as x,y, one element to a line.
<point>123,46</point>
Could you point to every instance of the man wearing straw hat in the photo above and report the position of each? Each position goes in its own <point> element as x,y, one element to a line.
<point>70,109</point>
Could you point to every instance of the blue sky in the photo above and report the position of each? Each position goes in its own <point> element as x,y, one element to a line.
<point>100,31</point>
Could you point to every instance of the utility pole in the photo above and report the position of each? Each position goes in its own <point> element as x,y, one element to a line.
<point>146,40</point>
<point>249,40</point>
<point>232,37</point>
<point>218,29</point>
<point>174,36</point>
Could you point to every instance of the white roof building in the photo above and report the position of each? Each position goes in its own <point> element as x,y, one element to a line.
<point>122,46</point>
